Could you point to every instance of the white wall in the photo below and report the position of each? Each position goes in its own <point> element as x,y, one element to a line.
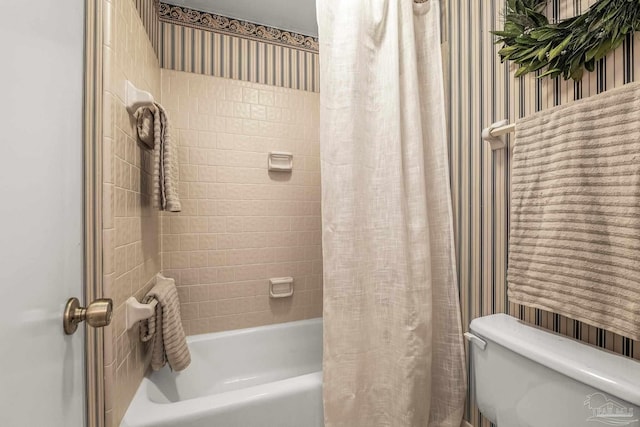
<point>41,84</point>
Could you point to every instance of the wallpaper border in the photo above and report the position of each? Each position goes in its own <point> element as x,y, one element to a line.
<point>245,29</point>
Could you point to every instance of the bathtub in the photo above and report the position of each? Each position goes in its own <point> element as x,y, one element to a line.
<point>269,376</point>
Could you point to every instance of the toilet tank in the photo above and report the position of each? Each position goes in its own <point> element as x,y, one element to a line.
<point>526,376</point>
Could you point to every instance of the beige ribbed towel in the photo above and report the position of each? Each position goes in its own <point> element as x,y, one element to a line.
<point>164,330</point>
<point>144,127</point>
<point>575,234</point>
<point>165,157</point>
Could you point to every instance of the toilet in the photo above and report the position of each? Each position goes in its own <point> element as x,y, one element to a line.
<point>526,376</point>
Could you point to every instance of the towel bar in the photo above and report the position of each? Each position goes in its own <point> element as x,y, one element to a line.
<point>493,133</point>
<point>503,130</point>
<point>136,98</point>
<point>137,311</point>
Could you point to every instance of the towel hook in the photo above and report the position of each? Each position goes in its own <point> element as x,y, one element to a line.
<point>136,98</point>
<point>137,311</point>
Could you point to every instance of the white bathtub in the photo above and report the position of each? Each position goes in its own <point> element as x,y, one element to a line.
<point>269,376</point>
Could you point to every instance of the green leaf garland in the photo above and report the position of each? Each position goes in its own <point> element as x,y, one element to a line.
<point>570,46</point>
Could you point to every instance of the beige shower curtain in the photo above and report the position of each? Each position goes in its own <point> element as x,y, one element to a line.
<point>393,351</point>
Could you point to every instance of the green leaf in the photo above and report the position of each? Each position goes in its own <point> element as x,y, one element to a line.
<point>553,53</point>
<point>554,72</point>
<point>505,34</point>
<point>590,65</point>
<point>542,53</point>
<point>522,71</point>
<point>603,50</point>
<point>511,27</point>
<point>543,34</point>
<point>577,74</point>
<point>507,51</point>
<point>591,53</point>
<point>535,66</point>
<point>616,43</point>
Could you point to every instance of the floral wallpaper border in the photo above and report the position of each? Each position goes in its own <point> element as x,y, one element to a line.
<point>221,24</point>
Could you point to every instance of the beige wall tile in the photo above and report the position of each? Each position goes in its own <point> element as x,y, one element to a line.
<point>242,224</point>
<point>131,227</point>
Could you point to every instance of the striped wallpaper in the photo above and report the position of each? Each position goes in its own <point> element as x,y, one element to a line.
<point>482,91</point>
<point>221,55</point>
<point>194,49</point>
<point>148,11</point>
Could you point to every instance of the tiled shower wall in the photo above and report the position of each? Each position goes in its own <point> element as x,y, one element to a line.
<point>481,178</point>
<point>131,226</point>
<point>241,224</point>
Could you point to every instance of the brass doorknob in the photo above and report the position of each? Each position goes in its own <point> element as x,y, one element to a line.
<point>97,314</point>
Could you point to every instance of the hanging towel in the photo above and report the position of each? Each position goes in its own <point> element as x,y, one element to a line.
<point>165,157</point>
<point>575,235</point>
<point>144,127</point>
<point>164,330</point>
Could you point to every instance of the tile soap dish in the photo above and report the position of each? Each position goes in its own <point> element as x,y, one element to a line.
<point>281,287</point>
<point>280,161</point>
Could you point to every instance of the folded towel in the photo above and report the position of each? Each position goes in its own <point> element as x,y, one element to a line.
<point>164,330</point>
<point>574,247</point>
<point>165,157</point>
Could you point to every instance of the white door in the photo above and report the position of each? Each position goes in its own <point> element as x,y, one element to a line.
<point>41,87</point>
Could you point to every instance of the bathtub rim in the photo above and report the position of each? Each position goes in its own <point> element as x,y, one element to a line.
<point>245,331</point>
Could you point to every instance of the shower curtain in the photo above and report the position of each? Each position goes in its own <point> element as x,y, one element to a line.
<point>393,350</point>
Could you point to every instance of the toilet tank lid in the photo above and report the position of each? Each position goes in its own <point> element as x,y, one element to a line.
<point>603,370</point>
